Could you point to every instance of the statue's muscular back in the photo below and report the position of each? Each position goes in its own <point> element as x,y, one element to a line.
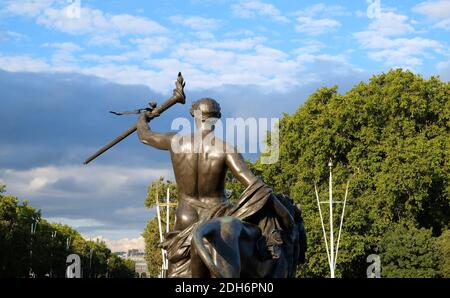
<point>200,169</point>
<point>200,162</point>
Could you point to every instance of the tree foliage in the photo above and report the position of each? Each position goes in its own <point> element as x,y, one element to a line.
<point>158,190</point>
<point>443,247</point>
<point>408,252</point>
<point>44,253</point>
<point>120,268</point>
<point>153,255</point>
<point>390,138</point>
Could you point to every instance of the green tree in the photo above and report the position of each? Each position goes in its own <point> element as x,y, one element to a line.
<point>121,268</point>
<point>15,235</point>
<point>390,137</point>
<point>51,244</point>
<point>62,245</point>
<point>408,252</point>
<point>153,255</point>
<point>443,246</point>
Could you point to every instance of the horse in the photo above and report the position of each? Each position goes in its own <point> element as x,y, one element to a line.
<point>228,247</point>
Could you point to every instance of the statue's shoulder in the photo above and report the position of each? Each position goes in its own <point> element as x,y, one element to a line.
<point>226,146</point>
<point>182,143</point>
<point>231,149</point>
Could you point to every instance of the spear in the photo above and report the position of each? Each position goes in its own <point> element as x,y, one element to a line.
<point>177,97</point>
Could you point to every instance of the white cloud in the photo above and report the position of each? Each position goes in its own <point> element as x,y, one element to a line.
<point>63,57</point>
<point>120,234</point>
<point>252,8</point>
<point>390,24</point>
<point>77,222</point>
<point>316,19</point>
<point>444,24</point>
<point>96,200</point>
<point>94,21</point>
<point>104,59</point>
<point>310,47</point>
<point>37,183</point>
<point>264,66</point>
<point>65,181</point>
<point>110,40</point>
<point>236,44</point>
<point>107,68</point>
<point>53,14</point>
<point>206,62</point>
<point>147,46</point>
<point>323,10</point>
<point>29,8</point>
<point>64,46</point>
<point>403,51</point>
<point>196,23</point>
<point>205,65</point>
<point>387,40</point>
<point>204,35</point>
<point>23,63</point>
<point>11,35</point>
<point>123,244</point>
<point>312,26</point>
<point>128,24</point>
<point>435,9</point>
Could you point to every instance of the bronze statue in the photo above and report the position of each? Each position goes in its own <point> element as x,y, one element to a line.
<point>203,212</point>
<point>261,235</point>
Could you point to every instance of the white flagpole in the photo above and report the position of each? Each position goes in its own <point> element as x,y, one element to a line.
<point>167,220</point>
<point>167,210</point>
<point>323,226</point>
<point>330,164</point>
<point>332,250</point>
<point>340,226</point>
<point>160,228</point>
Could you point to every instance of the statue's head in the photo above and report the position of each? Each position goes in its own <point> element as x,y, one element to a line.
<point>206,111</point>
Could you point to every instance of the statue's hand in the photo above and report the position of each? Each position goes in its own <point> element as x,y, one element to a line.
<point>179,87</point>
<point>148,115</point>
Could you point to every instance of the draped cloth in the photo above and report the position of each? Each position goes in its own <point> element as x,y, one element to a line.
<point>249,206</point>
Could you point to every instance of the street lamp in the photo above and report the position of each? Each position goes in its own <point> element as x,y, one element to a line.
<point>51,252</point>
<point>68,243</point>
<point>91,251</point>
<point>33,232</point>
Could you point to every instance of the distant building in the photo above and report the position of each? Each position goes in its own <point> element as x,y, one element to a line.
<point>122,254</point>
<point>137,256</point>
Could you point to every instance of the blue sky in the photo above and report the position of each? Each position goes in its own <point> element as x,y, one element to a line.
<point>64,64</point>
